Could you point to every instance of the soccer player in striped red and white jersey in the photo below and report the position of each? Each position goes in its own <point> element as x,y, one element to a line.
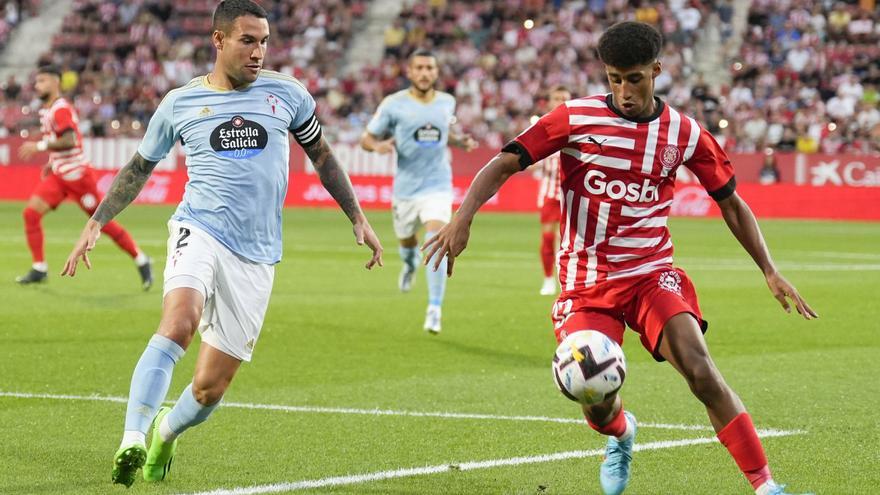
<point>549,195</point>
<point>620,156</point>
<point>67,173</point>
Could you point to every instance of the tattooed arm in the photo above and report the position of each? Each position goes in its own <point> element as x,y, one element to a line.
<point>336,182</point>
<point>126,186</point>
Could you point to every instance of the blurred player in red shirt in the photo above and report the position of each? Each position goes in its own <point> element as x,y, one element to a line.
<point>66,174</point>
<point>620,154</point>
<point>548,201</point>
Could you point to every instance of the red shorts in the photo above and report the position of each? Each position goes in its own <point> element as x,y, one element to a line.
<point>84,191</point>
<point>551,211</point>
<point>642,302</point>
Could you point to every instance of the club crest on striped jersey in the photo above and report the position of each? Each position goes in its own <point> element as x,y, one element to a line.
<point>671,281</point>
<point>669,158</point>
<point>239,138</point>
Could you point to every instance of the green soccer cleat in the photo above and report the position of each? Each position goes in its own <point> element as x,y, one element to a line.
<point>161,453</point>
<point>126,463</point>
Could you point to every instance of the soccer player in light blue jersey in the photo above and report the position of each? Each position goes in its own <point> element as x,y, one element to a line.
<point>225,236</point>
<point>417,123</point>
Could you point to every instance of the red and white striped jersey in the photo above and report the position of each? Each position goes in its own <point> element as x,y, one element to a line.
<point>618,179</point>
<point>550,180</point>
<point>55,121</point>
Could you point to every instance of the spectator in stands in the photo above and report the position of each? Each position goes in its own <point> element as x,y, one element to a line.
<point>769,173</point>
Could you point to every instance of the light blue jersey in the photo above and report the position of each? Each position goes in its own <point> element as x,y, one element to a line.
<point>237,148</point>
<point>421,133</point>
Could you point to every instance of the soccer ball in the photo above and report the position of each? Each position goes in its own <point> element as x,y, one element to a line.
<point>589,367</point>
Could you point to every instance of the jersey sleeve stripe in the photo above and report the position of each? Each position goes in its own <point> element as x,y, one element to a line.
<point>692,140</point>
<point>589,103</point>
<point>725,191</point>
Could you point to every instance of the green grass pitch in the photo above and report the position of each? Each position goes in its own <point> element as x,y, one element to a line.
<point>338,336</point>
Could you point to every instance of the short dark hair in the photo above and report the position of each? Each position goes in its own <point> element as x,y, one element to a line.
<point>229,10</point>
<point>629,44</point>
<point>422,52</point>
<point>49,69</point>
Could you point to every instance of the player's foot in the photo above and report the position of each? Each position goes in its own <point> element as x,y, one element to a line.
<point>548,288</point>
<point>126,463</point>
<point>615,470</point>
<point>146,271</point>
<point>406,278</point>
<point>771,488</point>
<point>161,453</point>
<point>33,276</point>
<point>432,319</point>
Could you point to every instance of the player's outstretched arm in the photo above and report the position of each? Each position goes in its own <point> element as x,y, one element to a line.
<point>463,141</point>
<point>372,143</point>
<point>335,180</point>
<point>742,223</point>
<point>66,141</point>
<point>451,240</point>
<point>126,186</point>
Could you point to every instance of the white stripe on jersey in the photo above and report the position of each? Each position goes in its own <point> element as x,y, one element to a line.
<point>592,103</point>
<point>634,242</point>
<point>641,269</point>
<point>692,140</point>
<point>616,141</point>
<point>650,146</point>
<point>592,258</point>
<point>674,125</point>
<point>643,211</point>
<point>644,224</point>
<point>571,271</point>
<point>605,161</point>
<point>600,120</point>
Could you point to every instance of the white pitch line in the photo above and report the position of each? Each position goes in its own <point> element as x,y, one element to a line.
<point>365,412</point>
<point>465,466</point>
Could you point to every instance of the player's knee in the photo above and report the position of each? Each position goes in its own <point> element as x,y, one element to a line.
<point>180,322</point>
<point>207,394</point>
<point>704,380</point>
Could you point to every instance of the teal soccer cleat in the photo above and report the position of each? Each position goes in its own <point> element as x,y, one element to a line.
<point>771,488</point>
<point>615,470</point>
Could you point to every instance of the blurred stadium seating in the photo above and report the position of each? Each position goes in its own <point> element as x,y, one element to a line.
<point>805,77</point>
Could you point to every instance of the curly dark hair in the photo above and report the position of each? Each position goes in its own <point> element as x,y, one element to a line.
<point>228,11</point>
<point>629,44</point>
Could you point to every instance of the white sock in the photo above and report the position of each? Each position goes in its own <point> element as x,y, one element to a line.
<point>165,431</point>
<point>766,487</point>
<point>41,266</point>
<point>130,438</point>
<point>627,434</point>
<point>141,259</point>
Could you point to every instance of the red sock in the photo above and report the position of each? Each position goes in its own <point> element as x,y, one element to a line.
<point>33,230</point>
<point>615,428</point>
<point>121,237</point>
<point>548,252</point>
<point>741,440</point>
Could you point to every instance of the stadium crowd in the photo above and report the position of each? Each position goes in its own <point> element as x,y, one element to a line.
<point>806,78</point>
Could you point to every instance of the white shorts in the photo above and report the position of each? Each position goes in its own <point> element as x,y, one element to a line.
<point>236,290</point>
<point>410,214</point>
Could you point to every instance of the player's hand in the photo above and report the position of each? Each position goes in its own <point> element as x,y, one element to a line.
<point>27,150</point>
<point>783,290</point>
<point>468,142</point>
<point>384,147</point>
<point>86,243</point>
<point>364,234</point>
<point>450,241</point>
